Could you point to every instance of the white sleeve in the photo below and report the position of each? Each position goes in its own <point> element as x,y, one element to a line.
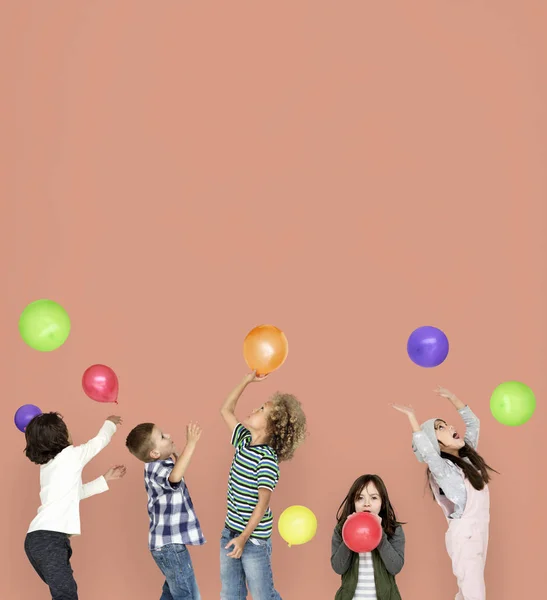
<point>89,450</point>
<point>97,486</point>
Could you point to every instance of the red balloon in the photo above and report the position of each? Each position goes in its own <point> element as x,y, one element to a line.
<point>362,532</point>
<point>100,383</point>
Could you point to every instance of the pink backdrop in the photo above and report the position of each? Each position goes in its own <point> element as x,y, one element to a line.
<point>175,173</point>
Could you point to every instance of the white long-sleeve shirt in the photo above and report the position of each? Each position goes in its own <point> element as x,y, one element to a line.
<point>61,487</point>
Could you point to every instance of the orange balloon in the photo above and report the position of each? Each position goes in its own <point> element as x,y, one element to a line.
<point>265,349</point>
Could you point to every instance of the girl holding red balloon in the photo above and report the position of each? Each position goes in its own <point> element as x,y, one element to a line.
<point>458,477</point>
<point>368,543</point>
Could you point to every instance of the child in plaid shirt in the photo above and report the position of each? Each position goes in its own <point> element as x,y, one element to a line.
<point>173,521</point>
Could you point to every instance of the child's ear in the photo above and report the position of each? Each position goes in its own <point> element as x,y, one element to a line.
<point>154,454</point>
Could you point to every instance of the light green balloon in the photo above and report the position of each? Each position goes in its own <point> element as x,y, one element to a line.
<point>512,403</point>
<point>44,325</point>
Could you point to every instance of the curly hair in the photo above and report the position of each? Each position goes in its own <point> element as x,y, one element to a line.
<point>46,435</point>
<point>286,425</point>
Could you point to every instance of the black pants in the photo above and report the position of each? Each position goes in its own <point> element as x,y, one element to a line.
<point>49,553</point>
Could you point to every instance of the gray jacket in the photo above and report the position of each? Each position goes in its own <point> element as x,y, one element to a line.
<point>391,550</point>
<point>445,473</point>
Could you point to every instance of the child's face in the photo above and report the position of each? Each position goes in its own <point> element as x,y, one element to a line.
<point>447,436</point>
<point>257,421</point>
<point>162,444</point>
<point>369,500</point>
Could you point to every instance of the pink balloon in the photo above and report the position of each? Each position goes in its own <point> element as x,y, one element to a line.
<point>100,383</point>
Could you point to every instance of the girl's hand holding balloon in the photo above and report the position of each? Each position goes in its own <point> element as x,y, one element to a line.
<point>116,420</point>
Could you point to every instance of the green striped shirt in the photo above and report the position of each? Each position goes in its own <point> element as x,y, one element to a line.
<point>253,467</point>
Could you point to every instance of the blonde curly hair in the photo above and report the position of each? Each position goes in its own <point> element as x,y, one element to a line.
<point>286,425</point>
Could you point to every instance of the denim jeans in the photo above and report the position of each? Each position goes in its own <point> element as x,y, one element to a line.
<point>252,570</point>
<point>49,552</point>
<point>176,565</point>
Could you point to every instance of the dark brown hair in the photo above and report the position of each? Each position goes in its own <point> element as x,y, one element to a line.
<point>387,512</point>
<point>475,469</point>
<point>138,441</point>
<point>45,436</point>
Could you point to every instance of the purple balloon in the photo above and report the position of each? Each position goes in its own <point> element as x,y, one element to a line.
<point>24,416</point>
<point>427,346</point>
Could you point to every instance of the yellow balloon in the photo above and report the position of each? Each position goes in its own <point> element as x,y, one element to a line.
<point>297,525</point>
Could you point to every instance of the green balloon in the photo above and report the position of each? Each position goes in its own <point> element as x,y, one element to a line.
<point>512,403</point>
<point>44,325</point>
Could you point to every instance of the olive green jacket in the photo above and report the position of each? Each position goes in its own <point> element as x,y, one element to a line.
<point>388,560</point>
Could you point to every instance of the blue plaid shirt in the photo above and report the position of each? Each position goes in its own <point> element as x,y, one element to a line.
<point>172,516</point>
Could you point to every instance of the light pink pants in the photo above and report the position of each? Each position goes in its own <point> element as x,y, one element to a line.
<point>467,541</point>
<point>467,544</point>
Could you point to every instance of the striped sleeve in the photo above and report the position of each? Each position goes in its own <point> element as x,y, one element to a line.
<point>267,473</point>
<point>239,434</point>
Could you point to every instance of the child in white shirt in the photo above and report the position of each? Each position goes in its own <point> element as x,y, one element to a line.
<point>47,544</point>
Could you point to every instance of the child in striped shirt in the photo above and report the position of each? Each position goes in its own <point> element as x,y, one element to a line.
<point>268,436</point>
<point>369,575</point>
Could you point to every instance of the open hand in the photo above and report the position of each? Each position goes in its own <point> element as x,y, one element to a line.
<point>238,543</point>
<point>116,420</point>
<point>193,433</point>
<point>116,472</point>
<point>444,393</point>
<point>406,410</point>
<point>253,376</point>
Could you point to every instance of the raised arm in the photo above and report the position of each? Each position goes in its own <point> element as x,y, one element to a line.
<point>97,486</point>
<point>423,445</point>
<point>472,422</point>
<point>227,410</point>
<point>100,485</point>
<point>193,433</point>
<point>85,452</point>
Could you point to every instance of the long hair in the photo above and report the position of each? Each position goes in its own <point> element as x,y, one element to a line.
<point>46,435</point>
<point>475,468</point>
<point>387,512</point>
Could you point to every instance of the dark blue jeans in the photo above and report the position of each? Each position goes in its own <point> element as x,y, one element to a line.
<point>252,570</point>
<point>49,553</point>
<point>176,565</point>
